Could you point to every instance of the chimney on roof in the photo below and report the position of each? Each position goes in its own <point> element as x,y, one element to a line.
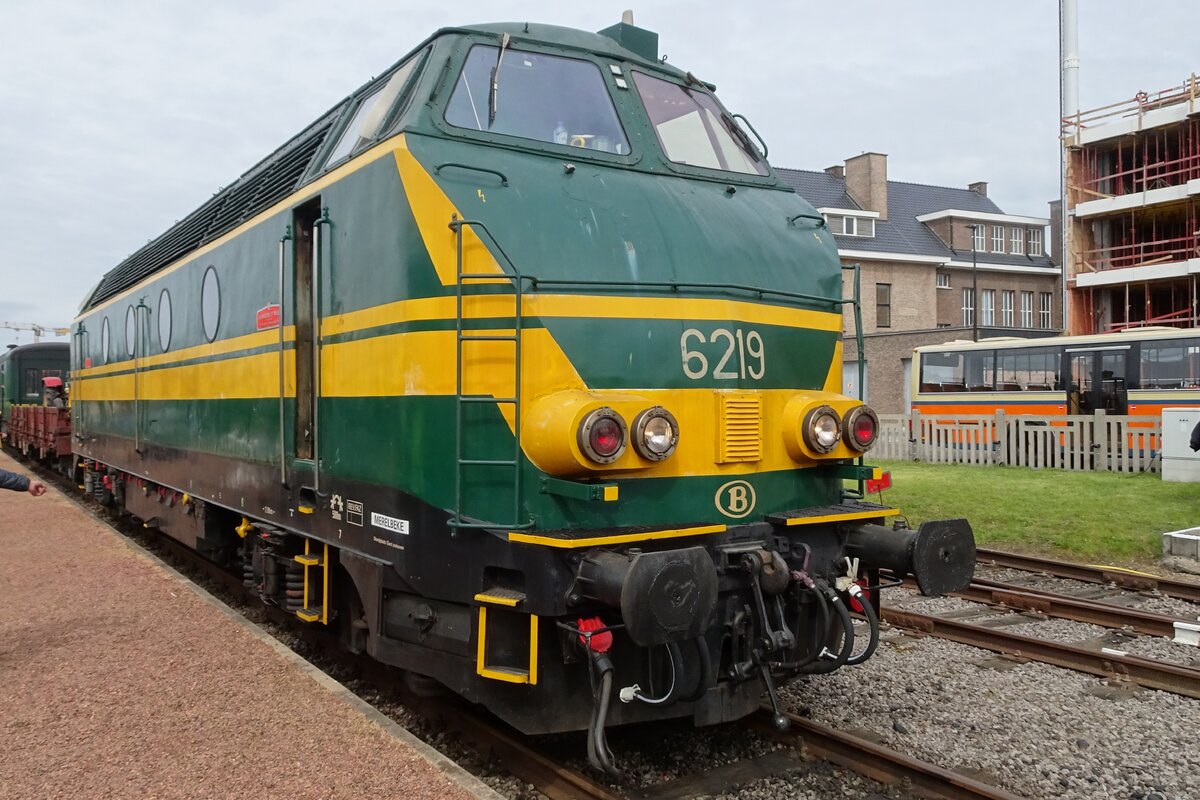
<point>837,171</point>
<point>866,182</point>
<point>978,187</point>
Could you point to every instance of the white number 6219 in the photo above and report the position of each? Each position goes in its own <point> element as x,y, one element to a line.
<point>744,349</point>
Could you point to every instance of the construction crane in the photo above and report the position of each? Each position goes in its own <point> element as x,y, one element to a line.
<point>38,330</point>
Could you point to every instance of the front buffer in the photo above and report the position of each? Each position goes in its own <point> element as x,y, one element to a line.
<point>707,626</point>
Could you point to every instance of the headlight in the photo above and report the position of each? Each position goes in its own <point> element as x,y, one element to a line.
<point>655,433</point>
<point>860,428</point>
<point>602,435</point>
<point>822,429</point>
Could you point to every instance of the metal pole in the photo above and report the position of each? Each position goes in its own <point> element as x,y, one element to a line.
<point>1068,16</point>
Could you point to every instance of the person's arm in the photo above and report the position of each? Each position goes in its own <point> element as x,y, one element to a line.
<point>15,482</point>
<point>1195,440</point>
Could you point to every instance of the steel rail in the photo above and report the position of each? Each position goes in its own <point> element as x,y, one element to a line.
<point>1091,573</point>
<point>1146,672</point>
<point>876,761</point>
<point>1062,606</point>
<point>519,758</point>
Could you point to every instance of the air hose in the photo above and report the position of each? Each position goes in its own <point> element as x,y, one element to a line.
<point>825,664</point>
<point>822,633</point>
<point>868,611</point>
<point>599,756</point>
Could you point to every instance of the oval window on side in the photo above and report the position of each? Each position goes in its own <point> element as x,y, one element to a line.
<point>131,331</point>
<point>164,320</point>
<point>104,342</point>
<point>210,303</point>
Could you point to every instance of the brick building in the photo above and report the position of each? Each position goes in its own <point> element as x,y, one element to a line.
<point>924,253</point>
<point>1133,200</point>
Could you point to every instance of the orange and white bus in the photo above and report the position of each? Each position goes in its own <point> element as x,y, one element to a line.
<point>1133,372</point>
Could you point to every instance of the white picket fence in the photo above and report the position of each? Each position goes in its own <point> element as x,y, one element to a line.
<point>1080,443</point>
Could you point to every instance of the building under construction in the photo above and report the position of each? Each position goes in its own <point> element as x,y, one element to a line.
<point>1133,199</point>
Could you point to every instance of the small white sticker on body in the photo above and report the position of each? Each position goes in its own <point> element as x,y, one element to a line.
<point>389,523</point>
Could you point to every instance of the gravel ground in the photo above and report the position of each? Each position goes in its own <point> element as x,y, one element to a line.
<point>1040,731</point>
<point>107,694</point>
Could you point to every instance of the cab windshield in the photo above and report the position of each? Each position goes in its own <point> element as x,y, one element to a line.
<point>545,98</point>
<point>694,130</point>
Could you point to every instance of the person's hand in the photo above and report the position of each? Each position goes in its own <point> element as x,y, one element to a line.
<point>37,488</point>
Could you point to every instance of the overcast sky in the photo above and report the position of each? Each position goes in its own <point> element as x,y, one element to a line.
<point>119,117</point>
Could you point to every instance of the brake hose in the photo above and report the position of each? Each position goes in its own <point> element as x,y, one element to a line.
<point>822,667</point>
<point>599,756</point>
<point>868,611</point>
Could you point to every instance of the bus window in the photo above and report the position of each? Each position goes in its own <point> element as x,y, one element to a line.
<point>979,370</point>
<point>1027,368</point>
<point>1170,364</point>
<point>940,371</point>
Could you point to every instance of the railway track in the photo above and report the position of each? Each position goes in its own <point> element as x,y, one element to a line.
<point>1057,605</point>
<point>878,762</point>
<point>1124,578</point>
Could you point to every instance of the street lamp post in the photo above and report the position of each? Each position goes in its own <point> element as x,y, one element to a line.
<point>974,284</point>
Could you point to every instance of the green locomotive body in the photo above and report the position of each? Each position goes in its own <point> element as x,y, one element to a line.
<point>521,349</point>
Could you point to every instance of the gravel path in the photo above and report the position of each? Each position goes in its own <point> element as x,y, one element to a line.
<point>1038,730</point>
<point>120,681</point>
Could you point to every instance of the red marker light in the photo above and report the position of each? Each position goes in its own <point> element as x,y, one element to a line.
<point>607,437</point>
<point>864,429</point>
<point>600,642</point>
<point>884,481</point>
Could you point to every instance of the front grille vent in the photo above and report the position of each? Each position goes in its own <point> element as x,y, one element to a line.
<point>739,427</point>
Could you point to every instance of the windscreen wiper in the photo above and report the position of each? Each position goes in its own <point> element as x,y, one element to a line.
<point>736,131</point>
<point>495,89</point>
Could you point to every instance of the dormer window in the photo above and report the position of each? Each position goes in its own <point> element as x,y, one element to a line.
<point>1035,242</point>
<point>1017,242</point>
<point>854,226</point>
<point>843,223</point>
<point>977,238</point>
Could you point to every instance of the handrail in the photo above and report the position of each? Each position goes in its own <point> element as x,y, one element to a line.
<point>457,523</point>
<point>758,290</point>
<point>138,353</point>
<point>820,220</point>
<point>287,236</point>
<point>503,178</point>
<point>316,348</point>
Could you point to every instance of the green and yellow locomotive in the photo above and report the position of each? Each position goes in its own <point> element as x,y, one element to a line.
<point>522,368</point>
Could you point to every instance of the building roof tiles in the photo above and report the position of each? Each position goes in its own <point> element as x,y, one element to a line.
<point>901,233</point>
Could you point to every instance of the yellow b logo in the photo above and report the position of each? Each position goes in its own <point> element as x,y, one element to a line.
<point>735,499</point>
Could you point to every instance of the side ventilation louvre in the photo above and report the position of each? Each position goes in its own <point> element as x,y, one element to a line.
<point>739,426</point>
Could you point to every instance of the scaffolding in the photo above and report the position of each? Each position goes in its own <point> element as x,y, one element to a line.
<point>1161,228</point>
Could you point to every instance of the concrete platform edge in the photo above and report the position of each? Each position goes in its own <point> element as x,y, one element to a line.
<point>456,774</point>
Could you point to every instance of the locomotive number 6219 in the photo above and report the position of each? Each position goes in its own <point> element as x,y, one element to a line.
<point>744,349</point>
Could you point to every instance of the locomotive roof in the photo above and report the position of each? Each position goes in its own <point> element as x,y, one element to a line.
<point>283,171</point>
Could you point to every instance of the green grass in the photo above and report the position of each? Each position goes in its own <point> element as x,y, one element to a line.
<point>1083,516</point>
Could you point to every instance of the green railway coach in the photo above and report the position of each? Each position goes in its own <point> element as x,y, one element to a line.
<point>517,365</point>
<point>22,370</point>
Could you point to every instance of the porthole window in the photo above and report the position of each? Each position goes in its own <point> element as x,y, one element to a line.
<point>210,303</point>
<point>104,342</point>
<point>130,331</point>
<point>164,320</point>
